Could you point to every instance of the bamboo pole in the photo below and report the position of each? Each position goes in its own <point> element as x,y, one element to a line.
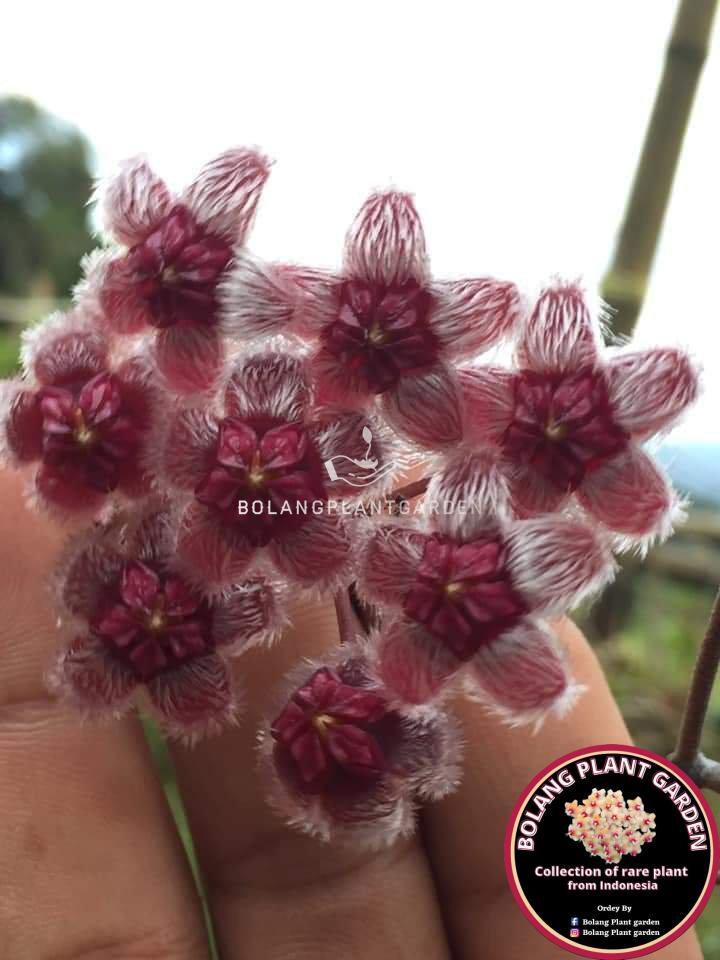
<point>626,281</point>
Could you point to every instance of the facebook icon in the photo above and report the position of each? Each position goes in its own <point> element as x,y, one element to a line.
<point>574,921</point>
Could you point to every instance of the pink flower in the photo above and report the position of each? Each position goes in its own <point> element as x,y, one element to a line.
<point>83,416</point>
<point>472,604</point>
<point>381,328</point>
<point>569,422</point>
<point>340,759</point>
<point>179,249</point>
<point>133,622</point>
<point>254,471</point>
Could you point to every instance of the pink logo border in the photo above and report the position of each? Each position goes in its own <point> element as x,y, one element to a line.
<point>597,952</point>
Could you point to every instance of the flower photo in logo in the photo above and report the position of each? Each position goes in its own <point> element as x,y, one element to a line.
<point>610,827</point>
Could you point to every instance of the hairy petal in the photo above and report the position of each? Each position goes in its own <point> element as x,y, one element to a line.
<point>433,754</point>
<point>146,406</point>
<point>332,386</point>
<point>133,202</point>
<point>247,615</point>
<point>124,309</point>
<point>316,553</point>
<point>532,492</point>
<point>412,664</point>
<point>316,297</point>
<point>555,562</point>
<point>386,243</point>
<point>560,333</point>
<point>151,539</point>
<point>65,492</point>
<point>189,357</point>
<point>225,194</point>
<point>523,676</point>
<point>209,554</point>
<point>62,350</point>
<point>488,399</point>
<point>256,298</point>
<point>195,700</point>
<point>357,452</point>
<point>650,389</point>
<point>469,316</point>
<point>188,448</point>
<point>268,384</point>
<point>390,562</point>
<point>425,408</point>
<point>470,494</point>
<point>631,495</point>
<point>87,569</point>
<point>23,426</point>
<point>89,678</point>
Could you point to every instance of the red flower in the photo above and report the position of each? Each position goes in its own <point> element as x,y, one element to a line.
<point>134,621</point>
<point>258,464</point>
<point>340,758</point>
<point>381,328</point>
<point>84,420</point>
<point>255,467</point>
<point>472,602</point>
<point>329,734</point>
<point>463,593</point>
<point>179,251</point>
<point>570,422</point>
<point>153,621</point>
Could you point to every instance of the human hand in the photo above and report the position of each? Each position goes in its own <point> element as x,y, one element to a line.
<point>92,867</point>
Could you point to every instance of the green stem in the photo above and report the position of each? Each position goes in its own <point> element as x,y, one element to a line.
<point>627,278</point>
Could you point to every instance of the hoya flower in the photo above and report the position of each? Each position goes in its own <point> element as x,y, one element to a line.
<point>470,602</point>
<point>340,759</point>
<point>570,421</point>
<point>176,251</point>
<point>381,328</point>
<point>603,839</point>
<point>259,472</point>
<point>132,623</point>
<point>81,415</point>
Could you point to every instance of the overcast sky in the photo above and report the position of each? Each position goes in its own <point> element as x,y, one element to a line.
<point>517,124</point>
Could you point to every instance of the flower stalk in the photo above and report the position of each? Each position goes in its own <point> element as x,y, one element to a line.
<point>350,625</point>
<point>687,755</point>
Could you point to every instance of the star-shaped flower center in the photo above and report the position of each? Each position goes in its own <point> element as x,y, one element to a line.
<point>176,269</point>
<point>86,432</point>
<point>381,333</point>
<point>264,477</point>
<point>463,594</point>
<point>154,622</point>
<point>330,734</point>
<point>562,426</point>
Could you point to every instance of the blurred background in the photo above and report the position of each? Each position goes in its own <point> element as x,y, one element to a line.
<point>520,128</point>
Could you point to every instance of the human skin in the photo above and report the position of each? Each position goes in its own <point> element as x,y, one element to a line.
<point>91,867</point>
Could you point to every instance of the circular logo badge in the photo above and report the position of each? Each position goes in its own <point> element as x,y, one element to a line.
<point>612,851</point>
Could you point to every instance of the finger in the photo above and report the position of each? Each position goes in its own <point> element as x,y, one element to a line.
<point>274,893</point>
<point>465,833</point>
<point>91,865</point>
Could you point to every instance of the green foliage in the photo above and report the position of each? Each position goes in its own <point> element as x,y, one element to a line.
<point>649,662</point>
<point>9,349</point>
<point>45,183</point>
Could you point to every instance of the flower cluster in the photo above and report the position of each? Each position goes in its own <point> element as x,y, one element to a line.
<point>610,827</point>
<point>224,427</point>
